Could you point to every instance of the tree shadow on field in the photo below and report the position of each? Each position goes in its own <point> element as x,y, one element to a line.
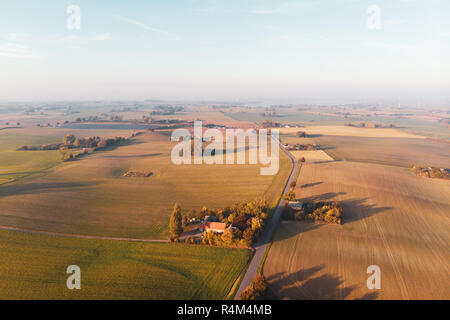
<point>354,209</point>
<point>328,196</point>
<point>369,296</point>
<point>121,144</point>
<point>291,228</point>
<point>131,156</point>
<point>325,161</point>
<point>37,188</point>
<point>311,184</point>
<point>303,284</point>
<point>317,135</point>
<point>358,209</point>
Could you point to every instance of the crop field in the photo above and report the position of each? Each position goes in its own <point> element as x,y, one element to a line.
<point>352,132</point>
<point>392,218</point>
<point>34,267</point>
<point>18,164</point>
<point>403,152</point>
<point>379,146</point>
<point>90,196</point>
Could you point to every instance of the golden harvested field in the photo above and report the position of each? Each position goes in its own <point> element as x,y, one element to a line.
<point>315,156</point>
<point>403,152</point>
<point>90,197</point>
<point>208,116</point>
<point>352,132</point>
<point>393,219</point>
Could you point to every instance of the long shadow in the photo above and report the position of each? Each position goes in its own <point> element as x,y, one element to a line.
<point>354,209</point>
<point>303,284</point>
<point>284,231</point>
<point>323,197</point>
<point>325,161</point>
<point>121,144</point>
<point>357,209</point>
<point>311,184</point>
<point>137,156</point>
<point>35,188</point>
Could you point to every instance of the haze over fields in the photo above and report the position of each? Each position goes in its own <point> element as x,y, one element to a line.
<point>99,101</point>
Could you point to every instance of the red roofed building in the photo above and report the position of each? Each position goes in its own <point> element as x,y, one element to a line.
<point>218,227</point>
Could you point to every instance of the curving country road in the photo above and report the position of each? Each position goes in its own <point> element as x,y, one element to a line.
<point>266,237</point>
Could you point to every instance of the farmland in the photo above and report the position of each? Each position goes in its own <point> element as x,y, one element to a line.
<point>379,146</point>
<point>34,267</point>
<point>90,196</point>
<point>392,219</point>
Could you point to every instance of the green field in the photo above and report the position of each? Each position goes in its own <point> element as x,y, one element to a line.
<point>34,267</point>
<point>18,164</point>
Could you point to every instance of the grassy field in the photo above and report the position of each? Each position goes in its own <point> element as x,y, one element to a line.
<point>393,219</point>
<point>15,164</point>
<point>34,267</point>
<point>90,196</point>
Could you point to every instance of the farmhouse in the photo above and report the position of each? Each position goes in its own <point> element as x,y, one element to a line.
<point>217,227</point>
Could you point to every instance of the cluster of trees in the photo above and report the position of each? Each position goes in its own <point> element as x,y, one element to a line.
<point>302,134</point>
<point>303,147</point>
<point>369,125</point>
<point>53,146</point>
<point>325,212</point>
<point>166,110</point>
<point>125,109</point>
<point>268,114</point>
<point>432,172</point>
<point>244,223</point>
<point>256,289</point>
<point>87,119</point>
<point>271,124</point>
<point>71,141</point>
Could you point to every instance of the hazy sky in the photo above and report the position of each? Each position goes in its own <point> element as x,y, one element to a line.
<point>226,49</point>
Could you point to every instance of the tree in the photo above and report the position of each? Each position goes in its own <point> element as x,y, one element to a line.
<point>259,283</point>
<point>248,236</point>
<point>257,223</point>
<point>101,144</point>
<point>293,184</point>
<point>62,151</point>
<point>185,221</point>
<point>240,222</point>
<point>175,224</point>
<point>227,236</point>
<point>302,159</point>
<point>290,196</point>
<point>256,289</point>
<point>68,139</point>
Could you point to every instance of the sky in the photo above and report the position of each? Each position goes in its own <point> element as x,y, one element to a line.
<point>298,51</point>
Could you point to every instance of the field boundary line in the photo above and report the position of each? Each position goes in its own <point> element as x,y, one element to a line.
<point>79,236</point>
